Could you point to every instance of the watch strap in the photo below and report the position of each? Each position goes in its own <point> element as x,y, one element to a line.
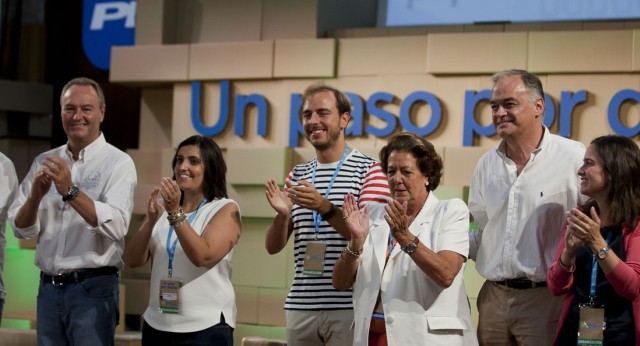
<point>74,191</point>
<point>411,247</point>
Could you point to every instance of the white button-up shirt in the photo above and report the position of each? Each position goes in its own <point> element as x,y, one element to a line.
<point>66,242</point>
<point>520,216</point>
<point>8,190</point>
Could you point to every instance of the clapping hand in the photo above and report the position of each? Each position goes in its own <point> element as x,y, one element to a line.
<point>356,220</point>
<point>154,207</point>
<point>277,198</point>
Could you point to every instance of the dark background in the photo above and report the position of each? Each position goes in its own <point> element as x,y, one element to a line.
<point>41,42</point>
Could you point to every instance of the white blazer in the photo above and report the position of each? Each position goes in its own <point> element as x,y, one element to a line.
<point>417,311</point>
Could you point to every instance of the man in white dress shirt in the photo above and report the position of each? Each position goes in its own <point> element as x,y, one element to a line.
<point>77,200</point>
<point>518,196</point>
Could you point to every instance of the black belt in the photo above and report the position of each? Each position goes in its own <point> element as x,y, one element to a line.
<point>521,284</point>
<point>77,276</point>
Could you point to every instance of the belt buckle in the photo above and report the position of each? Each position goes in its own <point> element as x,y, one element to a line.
<point>53,280</point>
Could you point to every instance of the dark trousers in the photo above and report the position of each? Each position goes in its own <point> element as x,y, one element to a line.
<point>220,334</point>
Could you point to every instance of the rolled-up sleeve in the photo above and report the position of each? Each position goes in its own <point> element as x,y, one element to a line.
<point>114,208</point>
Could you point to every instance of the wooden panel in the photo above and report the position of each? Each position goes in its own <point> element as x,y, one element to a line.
<point>247,304</point>
<point>270,306</point>
<point>289,19</point>
<point>140,64</point>
<point>304,58</point>
<point>375,56</point>
<point>476,52</point>
<point>459,163</point>
<point>231,60</point>
<point>636,50</point>
<point>252,265</point>
<point>580,51</point>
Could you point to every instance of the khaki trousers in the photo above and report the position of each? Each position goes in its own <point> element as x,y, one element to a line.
<point>509,316</point>
<point>319,328</point>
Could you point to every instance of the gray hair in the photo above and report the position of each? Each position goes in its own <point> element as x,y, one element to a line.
<point>531,82</point>
<point>85,81</point>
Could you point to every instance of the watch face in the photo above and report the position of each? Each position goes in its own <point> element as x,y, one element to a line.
<point>602,253</point>
<point>410,248</point>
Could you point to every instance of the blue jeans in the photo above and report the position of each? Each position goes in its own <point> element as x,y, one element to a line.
<point>85,313</point>
<point>219,335</point>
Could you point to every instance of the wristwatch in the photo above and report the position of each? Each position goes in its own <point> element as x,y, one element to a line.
<point>74,191</point>
<point>411,247</point>
<point>602,253</point>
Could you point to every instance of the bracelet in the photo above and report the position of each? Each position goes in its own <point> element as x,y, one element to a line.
<point>562,264</point>
<point>177,222</point>
<point>353,260</point>
<point>326,216</point>
<point>175,216</point>
<point>355,254</point>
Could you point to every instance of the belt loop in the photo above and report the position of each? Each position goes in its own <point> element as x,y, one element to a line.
<point>76,279</point>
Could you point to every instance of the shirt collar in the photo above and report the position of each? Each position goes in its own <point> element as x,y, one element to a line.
<point>544,143</point>
<point>88,151</point>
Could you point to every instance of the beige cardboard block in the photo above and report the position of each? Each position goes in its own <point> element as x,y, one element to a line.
<point>237,60</point>
<point>302,155</point>
<point>580,51</point>
<point>289,19</point>
<point>589,119</point>
<point>155,118</point>
<point>382,55</point>
<point>252,265</point>
<point>270,306</point>
<point>149,64</point>
<point>491,52</point>
<point>155,22</point>
<point>304,58</point>
<point>252,201</point>
<point>256,166</point>
<point>247,304</point>
<point>28,243</point>
<point>249,334</point>
<point>636,50</point>
<point>141,197</point>
<point>449,192</point>
<point>459,163</point>
<point>137,295</point>
<point>148,165</point>
<point>220,20</point>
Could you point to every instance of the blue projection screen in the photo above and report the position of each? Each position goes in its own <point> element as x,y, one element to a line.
<point>449,12</point>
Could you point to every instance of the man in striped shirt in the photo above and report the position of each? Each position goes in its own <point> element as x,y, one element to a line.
<point>309,208</point>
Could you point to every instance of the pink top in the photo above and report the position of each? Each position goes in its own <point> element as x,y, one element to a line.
<point>625,277</point>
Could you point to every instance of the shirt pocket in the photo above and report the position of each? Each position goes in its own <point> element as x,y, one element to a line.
<point>445,323</point>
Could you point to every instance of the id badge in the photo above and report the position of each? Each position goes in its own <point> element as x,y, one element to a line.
<point>314,259</point>
<point>169,295</point>
<point>591,327</point>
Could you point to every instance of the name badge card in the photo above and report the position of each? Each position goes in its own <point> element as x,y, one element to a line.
<point>314,259</point>
<point>591,327</point>
<point>169,295</point>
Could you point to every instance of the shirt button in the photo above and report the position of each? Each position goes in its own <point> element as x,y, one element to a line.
<point>389,319</point>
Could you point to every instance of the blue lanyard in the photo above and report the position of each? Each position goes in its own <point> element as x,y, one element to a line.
<point>390,243</point>
<point>594,272</point>
<point>316,217</point>
<point>171,248</point>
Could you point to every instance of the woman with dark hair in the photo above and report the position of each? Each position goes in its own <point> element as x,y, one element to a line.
<point>189,232</point>
<point>405,259</point>
<point>598,264</point>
